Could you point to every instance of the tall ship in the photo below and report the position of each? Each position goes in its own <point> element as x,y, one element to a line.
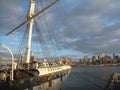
<point>25,71</point>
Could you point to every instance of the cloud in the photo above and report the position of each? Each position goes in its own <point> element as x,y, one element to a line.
<point>12,14</point>
<point>85,26</point>
<point>91,26</point>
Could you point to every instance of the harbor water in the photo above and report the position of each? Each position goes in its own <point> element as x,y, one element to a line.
<point>89,78</point>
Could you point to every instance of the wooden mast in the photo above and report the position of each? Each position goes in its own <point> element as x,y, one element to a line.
<point>30,27</point>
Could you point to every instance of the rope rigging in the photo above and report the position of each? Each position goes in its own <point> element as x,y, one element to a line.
<point>34,16</point>
<point>45,34</point>
<point>41,40</point>
<point>50,32</point>
<point>21,45</point>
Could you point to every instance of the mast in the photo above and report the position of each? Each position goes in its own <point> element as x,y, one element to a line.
<point>30,27</point>
<point>30,19</point>
<point>33,16</point>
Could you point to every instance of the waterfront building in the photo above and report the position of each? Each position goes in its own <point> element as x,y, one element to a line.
<point>102,55</point>
<point>106,59</point>
<point>117,58</point>
<point>113,55</point>
<point>94,58</point>
<point>85,59</point>
<point>68,60</point>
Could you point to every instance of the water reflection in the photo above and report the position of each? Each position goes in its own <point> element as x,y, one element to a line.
<point>89,78</point>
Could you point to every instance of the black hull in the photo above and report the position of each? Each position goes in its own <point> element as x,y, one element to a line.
<point>47,81</point>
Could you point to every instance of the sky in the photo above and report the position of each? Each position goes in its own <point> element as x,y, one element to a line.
<point>81,27</point>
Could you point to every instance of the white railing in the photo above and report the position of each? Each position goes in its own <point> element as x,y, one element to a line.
<point>12,71</point>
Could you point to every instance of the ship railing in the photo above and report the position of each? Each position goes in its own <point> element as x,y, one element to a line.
<point>52,68</point>
<point>5,66</point>
<point>42,66</point>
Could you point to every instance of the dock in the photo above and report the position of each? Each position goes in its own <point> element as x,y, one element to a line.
<point>113,82</point>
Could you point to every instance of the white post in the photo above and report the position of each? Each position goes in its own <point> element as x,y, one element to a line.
<point>30,25</point>
<point>12,72</point>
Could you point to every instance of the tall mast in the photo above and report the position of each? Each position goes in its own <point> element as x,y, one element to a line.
<point>29,21</point>
<point>32,16</point>
<point>30,27</point>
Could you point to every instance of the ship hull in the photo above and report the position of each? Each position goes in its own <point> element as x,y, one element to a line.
<point>51,81</point>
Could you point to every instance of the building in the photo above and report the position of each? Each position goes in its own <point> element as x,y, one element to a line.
<point>106,59</point>
<point>94,58</point>
<point>101,56</point>
<point>85,59</point>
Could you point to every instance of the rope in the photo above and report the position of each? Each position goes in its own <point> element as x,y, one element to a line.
<point>21,44</point>
<point>51,34</point>
<point>41,40</point>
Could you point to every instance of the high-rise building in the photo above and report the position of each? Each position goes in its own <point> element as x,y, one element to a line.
<point>113,55</point>
<point>85,59</point>
<point>101,56</point>
<point>94,58</point>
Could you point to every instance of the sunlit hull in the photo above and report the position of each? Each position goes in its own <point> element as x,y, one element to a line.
<point>46,80</point>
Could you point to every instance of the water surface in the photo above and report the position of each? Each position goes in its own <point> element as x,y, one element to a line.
<point>89,78</point>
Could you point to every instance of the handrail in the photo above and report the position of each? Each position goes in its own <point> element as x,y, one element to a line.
<point>12,72</point>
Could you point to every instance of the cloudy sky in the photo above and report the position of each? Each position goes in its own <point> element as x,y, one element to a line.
<point>82,27</point>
